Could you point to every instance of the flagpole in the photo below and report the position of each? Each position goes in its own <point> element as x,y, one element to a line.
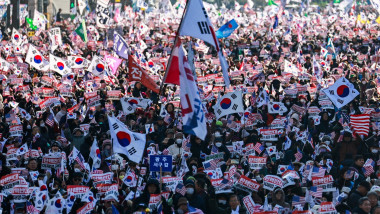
<point>175,43</point>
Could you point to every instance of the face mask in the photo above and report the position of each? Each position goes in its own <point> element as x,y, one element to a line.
<point>76,170</point>
<point>222,202</point>
<point>42,125</point>
<point>218,144</point>
<point>179,211</point>
<point>287,103</point>
<point>121,177</point>
<point>303,101</point>
<point>28,127</point>
<point>374,150</point>
<point>179,141</point>
<point>37,135</point>
<point>190,191</point>
<point>258,178</point>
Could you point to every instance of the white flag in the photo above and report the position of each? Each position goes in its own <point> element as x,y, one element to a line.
<point>341,93</point>
<point>131,144</point>
<point>194,121</point>
<point>77,62</point>
<point>81,5</point>
<point>22,150</point>
<point>290,68</point>
<point>228,104</point>
<point>16,37</point>
<point>197,24</point>
<point>39,20</point>
<point>149,128</point>
<point>55,38</point>
<point>95,154</point>
<point>59,65</point>
<point>98,67</point>
<point>102,13</point>
<point>276,108</point>
<point>35,59</point>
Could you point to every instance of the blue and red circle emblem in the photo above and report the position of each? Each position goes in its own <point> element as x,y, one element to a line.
<point>99,67</point>
<point>343,91</point>
<point>37,59</point>
<point>60,65</point>
<point>78,61</point>
<point>16,37</point>
<point>132,102</point>
<point>58,203</point>
<point>129,178</point>
<point>70,77</point>
<point>225,103</point>
<point>123,138</point>
<point>276,107</point>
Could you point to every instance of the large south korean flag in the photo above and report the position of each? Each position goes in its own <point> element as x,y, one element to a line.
<point>341,93</point>
<point>131,144</point>
<point>228,104</point>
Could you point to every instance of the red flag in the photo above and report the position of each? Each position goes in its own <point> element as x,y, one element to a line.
<point>172,75</point>
<point>136,73</point>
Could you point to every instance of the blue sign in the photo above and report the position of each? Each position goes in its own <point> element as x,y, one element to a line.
<point>158,161</point>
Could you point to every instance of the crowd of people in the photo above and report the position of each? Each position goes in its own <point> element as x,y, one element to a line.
<point>295,148</point>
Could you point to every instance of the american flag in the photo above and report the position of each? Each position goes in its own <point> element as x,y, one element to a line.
<point>210,165</point>
<point>360,124</point>
<point>344,118</point>
<point>165,152</point>
<point>80,160</point>
<point>318,172</point>
<point>368,167</point>
<point>181,189</point>
<point>298,155</point>
<point>31,209</point>
<point>258,148</point>
<point>50,120</point>
<point>226,184</point>
<point>298,200</point>
<point>316,191</point>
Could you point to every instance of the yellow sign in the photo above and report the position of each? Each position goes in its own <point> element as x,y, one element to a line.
<point>31,33</point>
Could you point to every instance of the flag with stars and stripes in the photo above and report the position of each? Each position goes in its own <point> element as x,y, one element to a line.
<point>210,165</point>
<point>318,172</point>
<point>50,120</point>
<point>258,148</point>
<point>368,167</point>
<point>360,124</point>
<point>181,189</point>
<point>316,191</point>
<point>298,200</point>
<point>298,155</point>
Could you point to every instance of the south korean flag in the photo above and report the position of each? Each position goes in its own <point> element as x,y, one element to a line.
<point>77,62</point>
<point>35,59</point>
<point>98,67</point>
<point>276,108</point>
<point>228,104</point>
<point>341,93</point>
